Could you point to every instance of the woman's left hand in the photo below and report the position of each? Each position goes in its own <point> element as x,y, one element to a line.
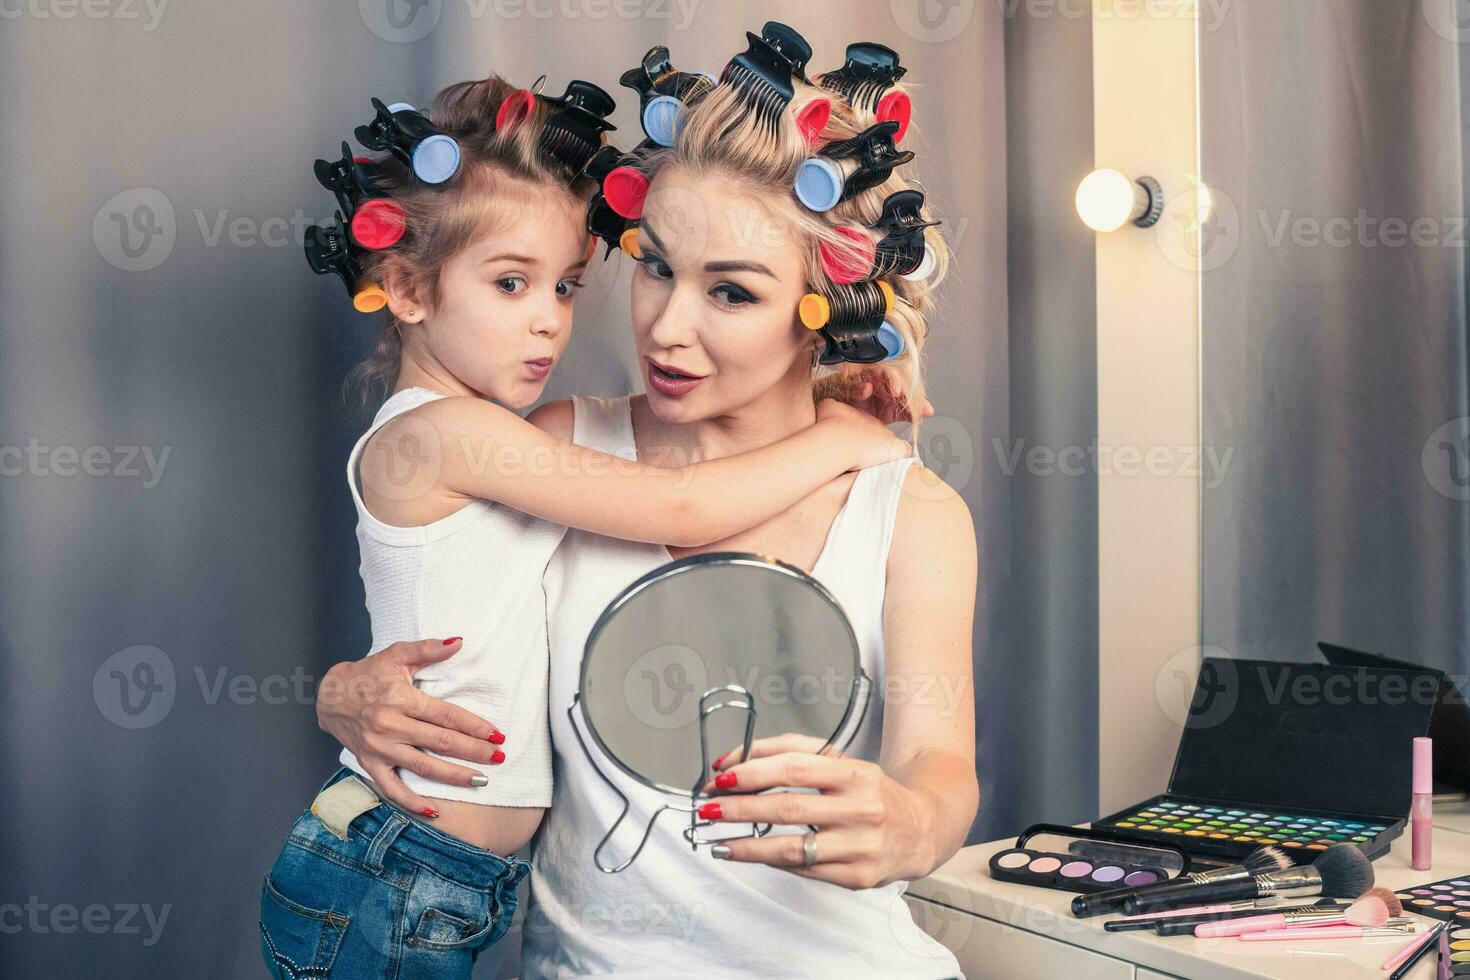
<point>872,830</point>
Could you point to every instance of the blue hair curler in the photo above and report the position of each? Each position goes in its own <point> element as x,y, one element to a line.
<point>891,340</point>
<point>818,183</point>
<point>661,118</point>
<point>664,92</point>
<point>436,159</point>
<point>851,166</point>
<point>411,137</point>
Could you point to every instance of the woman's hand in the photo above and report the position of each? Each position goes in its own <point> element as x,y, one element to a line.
<point>872,830</point>
<point>371,706</point>
<point>872,442</point>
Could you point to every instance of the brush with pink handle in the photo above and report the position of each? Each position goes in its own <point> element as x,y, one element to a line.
<point>1396,928</point>
<point>1375,907</point>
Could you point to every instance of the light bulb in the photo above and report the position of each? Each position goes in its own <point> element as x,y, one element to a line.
<point>1107,200</point>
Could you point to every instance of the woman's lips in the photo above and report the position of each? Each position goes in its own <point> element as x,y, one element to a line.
<point>540,367</point>
<point>673,386</point>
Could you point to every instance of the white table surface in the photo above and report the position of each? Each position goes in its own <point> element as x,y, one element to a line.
<point>963,885</point>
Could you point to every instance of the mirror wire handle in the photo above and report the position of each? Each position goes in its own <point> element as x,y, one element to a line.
<point>740,700</point>
<point>647,830</point>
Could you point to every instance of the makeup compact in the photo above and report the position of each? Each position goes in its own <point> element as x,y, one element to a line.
<point>1448,900</point>
<point>1302,756</point>
<point>1079,860</point>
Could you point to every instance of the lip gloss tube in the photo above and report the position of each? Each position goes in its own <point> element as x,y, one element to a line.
<point>1421,812</point>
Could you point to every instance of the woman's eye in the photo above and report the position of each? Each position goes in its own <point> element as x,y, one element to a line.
<point>568,287</point>
<point>732,295</point>
<point>512,285</point>
<point>654,266</point>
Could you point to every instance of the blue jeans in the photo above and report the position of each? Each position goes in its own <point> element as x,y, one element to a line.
<point>395,899</point>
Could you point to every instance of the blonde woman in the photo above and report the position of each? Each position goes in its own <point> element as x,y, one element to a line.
<point>730,366</point>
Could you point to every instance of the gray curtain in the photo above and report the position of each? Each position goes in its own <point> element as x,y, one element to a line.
<point>177,566</point>
<point>1334,356</point>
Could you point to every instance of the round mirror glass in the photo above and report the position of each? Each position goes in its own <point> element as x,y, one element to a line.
<point>733,629</point>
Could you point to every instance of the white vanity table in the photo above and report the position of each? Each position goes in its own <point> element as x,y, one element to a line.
<point>1018,932</point>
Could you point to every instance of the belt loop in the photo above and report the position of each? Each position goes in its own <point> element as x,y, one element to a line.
<point>384,838</point>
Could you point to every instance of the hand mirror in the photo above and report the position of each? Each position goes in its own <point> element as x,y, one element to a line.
<point>704,655</point>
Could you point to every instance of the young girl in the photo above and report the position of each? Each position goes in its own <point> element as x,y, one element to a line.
<point>460,505</point>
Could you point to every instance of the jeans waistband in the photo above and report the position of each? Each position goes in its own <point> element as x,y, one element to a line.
<point>449,856</point>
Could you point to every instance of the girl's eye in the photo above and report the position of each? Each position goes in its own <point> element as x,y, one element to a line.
<point>654,266</point>
<point>732,295</point>
<point>512,285</point>
<point>568,287</point>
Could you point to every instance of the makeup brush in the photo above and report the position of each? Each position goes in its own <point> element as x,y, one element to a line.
<point>1186,927</point>
<point>1407,958</point>
<point>1341,871</point>
<point>1194,916</point>
<point>1394,928</point>
<point>1259,861</point>
<point>1373,909</point>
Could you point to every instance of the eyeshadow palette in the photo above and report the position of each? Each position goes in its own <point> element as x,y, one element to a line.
<point>1287,754</point>
<point>1067,872</point>
<point>1081,860</point>
<point>1234,831</point>
<point>1448,900</point>
<point>1454,953</point>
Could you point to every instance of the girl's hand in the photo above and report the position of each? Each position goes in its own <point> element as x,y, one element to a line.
<point>871,829</point>
<point>875,389</point>
<point>371,707</point>
<point>871,441</point>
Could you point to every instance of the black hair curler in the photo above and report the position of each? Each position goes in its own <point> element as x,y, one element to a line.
<point>411,137</point>
<point>330,252</point>
<point>574,129</point>
<point>663,92</point>
<point>374,220</point>
<point>853,321</point>
<point>901,251</point>
<point>870,70</point>
<point>848,167</point>
<point>762,74</point>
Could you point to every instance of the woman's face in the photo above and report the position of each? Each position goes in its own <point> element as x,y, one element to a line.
<point>504,313</point>
<point>714,299</point>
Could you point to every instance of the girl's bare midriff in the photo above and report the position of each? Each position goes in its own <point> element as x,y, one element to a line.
<point>502,830</point>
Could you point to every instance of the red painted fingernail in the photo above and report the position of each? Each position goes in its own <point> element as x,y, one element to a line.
<point>430,813</point>
<point>498,757</point>
<point>720,761</point>
<point>726,779</point>
<point>711,811</point>
<point>498,738</point>
<point>453,639</point>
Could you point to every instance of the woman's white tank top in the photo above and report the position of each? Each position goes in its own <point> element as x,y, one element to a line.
<point>476,574</point>
<point>674,912</point>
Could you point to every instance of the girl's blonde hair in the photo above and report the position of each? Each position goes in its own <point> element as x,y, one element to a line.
<point>497,168</point>
<point>722,135</point>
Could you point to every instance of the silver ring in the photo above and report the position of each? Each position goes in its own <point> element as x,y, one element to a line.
<point>809,849</point>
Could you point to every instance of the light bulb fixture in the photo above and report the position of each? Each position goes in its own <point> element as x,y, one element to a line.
<point>1107,200</point>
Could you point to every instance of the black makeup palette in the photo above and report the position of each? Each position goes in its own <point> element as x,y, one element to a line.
<point>1448,900</point>
<point>1079,860</point>
<point>1454,952</point>
<point>1302,756</point>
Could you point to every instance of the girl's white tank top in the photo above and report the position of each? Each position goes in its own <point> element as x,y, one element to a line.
<point>674,912</point>
<point>476,574</point>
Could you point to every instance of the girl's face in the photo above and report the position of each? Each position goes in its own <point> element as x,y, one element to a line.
<point>504,313</point>
<point>714,299</point>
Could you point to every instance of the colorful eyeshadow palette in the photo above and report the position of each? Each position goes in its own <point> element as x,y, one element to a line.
<point>1448,900</point>
<point>1079,860</point>
<point>1289,754</point>
<point>1229,831</point>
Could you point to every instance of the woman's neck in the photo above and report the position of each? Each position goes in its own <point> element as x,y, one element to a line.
<point>782,410</point>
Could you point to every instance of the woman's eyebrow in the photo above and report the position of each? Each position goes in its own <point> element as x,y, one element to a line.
<point>725,265</point>
<point>735,265</point>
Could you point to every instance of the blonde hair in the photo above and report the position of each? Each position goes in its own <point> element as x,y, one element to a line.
<point>722,135</point>
<point>495,167</point>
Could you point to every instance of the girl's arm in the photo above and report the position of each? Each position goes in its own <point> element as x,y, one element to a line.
<point>906,815</point>
<point>475,449</point>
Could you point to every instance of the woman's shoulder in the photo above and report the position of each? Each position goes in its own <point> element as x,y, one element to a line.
<point>932,526</point>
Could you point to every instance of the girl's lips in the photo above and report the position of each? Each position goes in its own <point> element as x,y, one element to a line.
<point>666,384</point>
<point>540,367</point>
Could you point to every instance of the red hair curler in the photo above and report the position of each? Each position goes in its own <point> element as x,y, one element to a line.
<point>625,188</point>
<point>378,223</point>
<point>896,107</point>
<point>514,110</point>
<point>847,265</point>
<point>812,119</point>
